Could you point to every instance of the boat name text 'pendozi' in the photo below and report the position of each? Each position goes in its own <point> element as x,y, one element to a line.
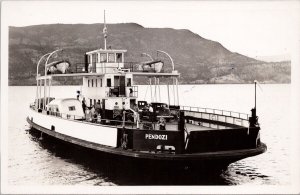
<point>155,136</point>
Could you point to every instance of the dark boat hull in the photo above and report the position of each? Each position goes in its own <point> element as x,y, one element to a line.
<point>204,160</point>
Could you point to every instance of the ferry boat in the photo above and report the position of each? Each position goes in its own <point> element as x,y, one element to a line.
<point>108,117</point>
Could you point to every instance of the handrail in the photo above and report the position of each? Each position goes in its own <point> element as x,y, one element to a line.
<point>215,111</point>
<point>118,123</point>
<point>133,87</point>
<point>136,124</point>
<point>80,67</point>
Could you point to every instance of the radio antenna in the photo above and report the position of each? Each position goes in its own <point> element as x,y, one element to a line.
<point>104,32</point>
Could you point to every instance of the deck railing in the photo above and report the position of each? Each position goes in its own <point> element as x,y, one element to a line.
<point>144,125</point>
<point>81,67</point>
<point>107,68</point>
<point>216,111</point>
<point>223,116</point>
<point>114,91</point>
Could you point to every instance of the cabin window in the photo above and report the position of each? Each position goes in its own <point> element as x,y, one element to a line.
<point>88,83</point>
<point>119,57</point>
<point>111,57</point>
<point>92,82</point>
<point>100,82</point>
<point>128,82</point>
<point>96,82</point>
<point>108,83</point>
<point>89,59</point>
<point>103,57</point>
<point>71,108</point>
<point>94,102</point>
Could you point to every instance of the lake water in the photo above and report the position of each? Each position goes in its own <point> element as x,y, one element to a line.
<point>40,162</point>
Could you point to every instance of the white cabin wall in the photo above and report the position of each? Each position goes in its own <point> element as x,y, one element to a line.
<point>98,93</point>
<point>64,108</point>
<point>94,92</point>
<point>108,67</point>
<point>78,129</point>
<point>100,89</point>
<point>110,103</point>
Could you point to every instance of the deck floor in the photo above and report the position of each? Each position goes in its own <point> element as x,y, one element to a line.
<point>172,126</point>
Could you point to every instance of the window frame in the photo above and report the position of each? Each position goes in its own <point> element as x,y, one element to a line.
<point>121,57</point>
<point>105,60</point>
<point>114,57</point>
<point>108,82</point>
<point>71,108</point>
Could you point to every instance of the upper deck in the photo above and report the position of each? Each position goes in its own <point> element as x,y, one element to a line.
<point>107,61</point>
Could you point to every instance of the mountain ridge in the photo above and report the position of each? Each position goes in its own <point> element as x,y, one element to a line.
<point>195,57</point>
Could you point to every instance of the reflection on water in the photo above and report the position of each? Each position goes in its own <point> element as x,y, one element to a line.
<point>36,161</point>
<point>122,172</point>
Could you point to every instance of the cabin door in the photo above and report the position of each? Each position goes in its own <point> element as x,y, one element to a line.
<point>103,109</point>
<point>122,85</point>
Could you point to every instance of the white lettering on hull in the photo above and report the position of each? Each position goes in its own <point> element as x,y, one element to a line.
<point>155,136</point>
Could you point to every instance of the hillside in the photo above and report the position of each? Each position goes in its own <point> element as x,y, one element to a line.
<point>198,60</point>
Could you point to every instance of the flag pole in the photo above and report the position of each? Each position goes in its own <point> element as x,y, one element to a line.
<point>104,32</point>
<point>255,94</point>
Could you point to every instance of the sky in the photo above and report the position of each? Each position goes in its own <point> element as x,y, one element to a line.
<point>252,28</point>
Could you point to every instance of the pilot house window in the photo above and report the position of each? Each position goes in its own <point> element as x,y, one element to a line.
<point>111,57</point>
<point>103,57</point>
<point>119,57</point>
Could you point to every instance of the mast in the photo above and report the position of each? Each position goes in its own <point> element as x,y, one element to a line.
<point>255,94</point>
<point>104,32</point>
